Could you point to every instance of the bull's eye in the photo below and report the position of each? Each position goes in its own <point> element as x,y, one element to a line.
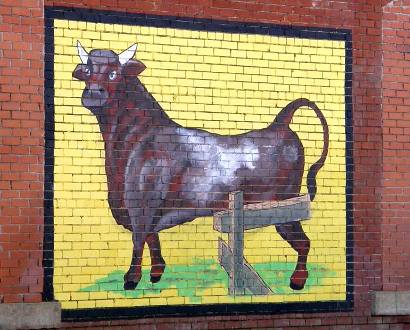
<point>112,75</point>
<point>86,70</point>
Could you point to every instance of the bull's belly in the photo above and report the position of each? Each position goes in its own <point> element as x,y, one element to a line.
<point>177,217</point>
<point>187,206</point>
<point>203,195</point>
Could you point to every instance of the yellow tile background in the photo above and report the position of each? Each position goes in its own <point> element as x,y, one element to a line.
<point>226,83</point>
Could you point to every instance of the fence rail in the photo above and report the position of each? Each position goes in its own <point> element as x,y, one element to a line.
<point>236,220</point>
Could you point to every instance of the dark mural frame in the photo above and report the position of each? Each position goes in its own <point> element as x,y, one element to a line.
<point>100,16</point>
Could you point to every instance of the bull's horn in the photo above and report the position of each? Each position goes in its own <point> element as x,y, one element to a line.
<point>82,53</point>
<point>127,54</point>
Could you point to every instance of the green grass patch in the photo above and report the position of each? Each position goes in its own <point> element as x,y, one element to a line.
<point>192,280</point>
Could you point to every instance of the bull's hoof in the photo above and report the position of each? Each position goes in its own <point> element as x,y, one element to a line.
<point>298,279</point>
<point>155,279</point>
<point>157,270</point>
<point>295,286</point>
<point>130,285</point>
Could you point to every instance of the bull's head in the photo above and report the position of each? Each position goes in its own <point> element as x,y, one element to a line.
<point>104,73</point>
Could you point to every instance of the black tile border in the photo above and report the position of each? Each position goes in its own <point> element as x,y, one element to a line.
<point>112,17</point>
<point>48,244</point>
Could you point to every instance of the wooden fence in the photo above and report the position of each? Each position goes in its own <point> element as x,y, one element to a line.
<point>243,279</point>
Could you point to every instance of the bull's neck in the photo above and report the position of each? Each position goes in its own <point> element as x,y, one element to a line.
<point>131,120</point>
<point>133,113</point>
<point>119,120</point>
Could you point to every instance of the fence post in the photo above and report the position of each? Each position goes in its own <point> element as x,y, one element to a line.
<point>235,241</point>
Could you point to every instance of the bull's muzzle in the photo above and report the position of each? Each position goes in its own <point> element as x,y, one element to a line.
<point>94,96</point>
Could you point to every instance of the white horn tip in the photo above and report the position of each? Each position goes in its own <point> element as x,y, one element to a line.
<point>127,54</point>
<point>133,48</point>
<point>82,52</point>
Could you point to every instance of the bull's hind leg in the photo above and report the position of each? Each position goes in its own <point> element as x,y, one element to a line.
<point>293,233</point>
<point>157,262</point>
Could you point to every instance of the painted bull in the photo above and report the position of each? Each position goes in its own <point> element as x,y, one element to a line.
<point>161,174</point>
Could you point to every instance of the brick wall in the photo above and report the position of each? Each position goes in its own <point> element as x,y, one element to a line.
<point>395,182</point>
<point>380,252</point>
<point>22,152</point>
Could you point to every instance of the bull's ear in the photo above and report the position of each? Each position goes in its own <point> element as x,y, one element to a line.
<point>133,68</point>
<point>81,72</point>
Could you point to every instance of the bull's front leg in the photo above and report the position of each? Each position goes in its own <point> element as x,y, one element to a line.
<point>157,261</point>
<point>145,185</point>
<point>293,233</point>
<point>134,273</point>
<point>142,222</point>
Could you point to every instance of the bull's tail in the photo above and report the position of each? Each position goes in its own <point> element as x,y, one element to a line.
<point>284,118</point>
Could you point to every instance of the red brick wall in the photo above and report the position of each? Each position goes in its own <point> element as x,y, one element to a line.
<point>21,150</point>
<point>396,149</point>
<point>375,260</point>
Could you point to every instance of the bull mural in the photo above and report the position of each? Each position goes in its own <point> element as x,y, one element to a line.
<point>161,174</point>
